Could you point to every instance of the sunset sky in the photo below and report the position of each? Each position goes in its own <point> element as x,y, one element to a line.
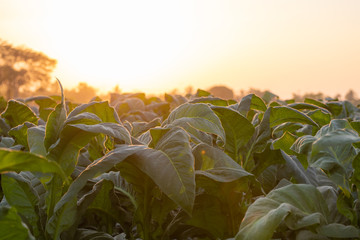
<point>284,46</point>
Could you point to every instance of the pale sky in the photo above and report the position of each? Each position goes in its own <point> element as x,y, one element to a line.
<point>284,46</point>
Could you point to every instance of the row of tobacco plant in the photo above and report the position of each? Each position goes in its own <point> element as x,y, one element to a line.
<point>195,167</point>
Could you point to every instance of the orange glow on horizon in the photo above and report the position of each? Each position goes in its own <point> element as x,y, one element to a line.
<point>157,46</point>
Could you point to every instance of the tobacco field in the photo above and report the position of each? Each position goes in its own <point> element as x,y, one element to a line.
<point>194,167</point>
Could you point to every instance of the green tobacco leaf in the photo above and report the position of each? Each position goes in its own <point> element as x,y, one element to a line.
<point>356,125</point>
<point>55,122</point>
<point>6,142</point>
<point>208,215</point>
<point>102,109</point>
<point>287,127</point>
<point>227,186</point>
<point>139,128</point>
<point>307,106</point>
<point>19,133</point>
<point>208,157</point>
<point>344,205</point>
<point>199,116</point>
<point>42,101</point>
<point>175,100</point>
<point>60,221</point>
<point>316,103</point>
<point>238,130</point>
<point>156,134</point>
<point>16,113</point>
<point>20,195</point>
<point>320,117</point>
<point>4,127</point>
<point>12,160</point>
<point>36,136</point>
<point>211,100</point>
<point>88,234</point>
<point>176,177</point>
<point>66,150</point>
<point>75,136</point>
<point>336,108</point>
<point>303,145</point>
<point>100,198</point>
<point>111,129</point>
<point>83,118</point>
<point>295,207</point>
<point>261,137</point>
<point>202,93</point>
<point>335,230</point>
<point>11,226</point>
<point>332,150</point>
<point>196,135</point>
<point>251,102</point>
<point>285,142</point>
<point>266,158</point>
<point>269,96</point>
<point>356,174</point>
<point>46,105</point>
<point>279,115</point>
<point>102,201</point>
<point>221,175</point>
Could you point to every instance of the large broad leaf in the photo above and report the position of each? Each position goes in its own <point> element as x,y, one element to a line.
<point>196,136</point>
<point>83,118</point>
<point>102,204</point>
<point>223,182</point>
<point>66,207</point>
<point>295,207</point>
<point>316,103</point>
<point>114,130</point>
<point>175,176</point>
<point>199,116</point>
<point>19,133</point>
<point>102,109</point>
<point>46,105</point>
<point>320,117</point>
<point>138,128</point>
<point>88,234</point>
<point>285,142</point>
<point>76,136</point>
<point>224,188</point>
<point>66,150</point>
<point>208,215</point>
<point>212,100</point>
<point>331,149</point>
<point>307,106</point>
<point>267,158</point>
<point>279,115</point>
<point>16,113</point>
<point>20,195</point>
<point>251,102</point>
<point>55,122</point>
<point>35,140</point>
<point>238,130</point>
<point>12,160</point>
<point>11,226</point>
<point>171,166</point>
<point>208,157</point>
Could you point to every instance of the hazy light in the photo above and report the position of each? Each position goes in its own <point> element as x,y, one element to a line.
<point>155,46</point>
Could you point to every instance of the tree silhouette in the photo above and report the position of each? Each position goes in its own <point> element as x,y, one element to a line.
<point>222,92</point>
<point>21,66</point>
<point>82,93</point>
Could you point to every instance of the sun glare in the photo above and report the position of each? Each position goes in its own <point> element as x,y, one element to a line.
<point>129,44</point>
<point>156,46</point>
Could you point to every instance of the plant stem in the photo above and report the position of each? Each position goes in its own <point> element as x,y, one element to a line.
<point>146,216</point>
